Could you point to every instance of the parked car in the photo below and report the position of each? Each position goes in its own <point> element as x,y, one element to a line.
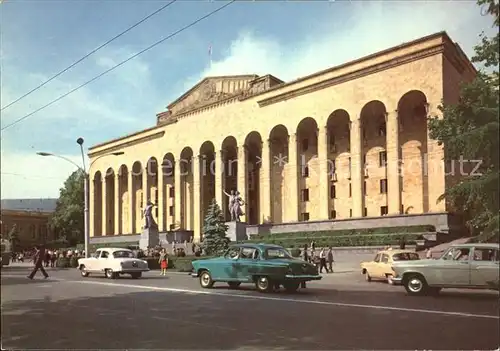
<point>113,262</point>
<point>469,266</point>
<point>266,266</point>
<point>380,267</point>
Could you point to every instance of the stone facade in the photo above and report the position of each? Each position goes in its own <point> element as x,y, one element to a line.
<point>347,142</point>
<point>33,226</point>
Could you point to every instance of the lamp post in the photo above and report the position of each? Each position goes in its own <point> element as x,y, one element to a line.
<point>86,187</point>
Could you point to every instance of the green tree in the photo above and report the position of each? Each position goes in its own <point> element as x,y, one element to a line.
<point>68,218</point>
<point>470,129</point>
<point>215,241</point>
<point>13,238</point>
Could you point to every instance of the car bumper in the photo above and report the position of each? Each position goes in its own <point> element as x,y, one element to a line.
<point>397,280</point>
<point>194,274</point>
<point>303,277</point>
<point>133,270</point>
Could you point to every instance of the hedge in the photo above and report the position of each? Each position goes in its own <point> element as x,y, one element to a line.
<point>345,240</point>
<point>329,233</point>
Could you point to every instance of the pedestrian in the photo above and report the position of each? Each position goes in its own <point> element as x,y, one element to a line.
<point>402,243</point>
<point>305,254</point>
<point>322,260</point>
<point>163,262</point>
<point>329,259</point>
<point>38,260</point>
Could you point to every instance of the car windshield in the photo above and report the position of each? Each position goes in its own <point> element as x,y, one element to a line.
<point>123,254</point>
<point>277,253</point>
<point>406,256</point>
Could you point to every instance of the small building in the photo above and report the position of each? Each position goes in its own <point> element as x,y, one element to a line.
<point>347,147</point>
<point>31,216</point>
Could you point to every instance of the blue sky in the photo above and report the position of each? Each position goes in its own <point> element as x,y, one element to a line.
<point>286,39</point>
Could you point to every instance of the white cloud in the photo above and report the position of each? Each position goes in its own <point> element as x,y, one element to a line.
<point>27,175</point>
<point>375,26</point>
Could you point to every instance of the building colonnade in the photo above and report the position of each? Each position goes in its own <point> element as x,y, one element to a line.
<point>354,166</point>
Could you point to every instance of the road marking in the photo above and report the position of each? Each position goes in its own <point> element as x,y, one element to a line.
<point>269,298</point>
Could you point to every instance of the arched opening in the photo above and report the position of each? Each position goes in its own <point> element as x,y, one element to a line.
<point>278,142</point>
<point>373,148</point>
<point>137,198</point>
<point>123,198</point>
<point>152,186</point>
<point>229,151</point>
<point>308,168</point>
<point>253,144</point>
<point>187,194</point>
<point>339,153</point>
<point>97,204</point>
<point>110,201</point>
<point>207,174</point>
<point>168,203</point>
<point>412,116</point>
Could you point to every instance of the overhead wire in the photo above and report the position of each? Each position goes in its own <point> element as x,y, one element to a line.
<point>220,8</point>
<point>87,55</point>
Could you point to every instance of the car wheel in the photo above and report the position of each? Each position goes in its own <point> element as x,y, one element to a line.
<point>83,271</point>
<point>264,284</point>
<point>110,274</point>
<point>415,284</point>
<point>136,275</point>
<point>234,285</point>
<point>292,286</point>
<point>368,278</point>
<point>206,280</point>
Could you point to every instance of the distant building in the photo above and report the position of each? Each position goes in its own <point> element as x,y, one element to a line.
<point>31,216</point>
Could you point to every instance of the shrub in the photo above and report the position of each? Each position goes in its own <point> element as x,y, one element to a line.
<point>62,262</point>
<point>295,252</point>
<point>73,262</point>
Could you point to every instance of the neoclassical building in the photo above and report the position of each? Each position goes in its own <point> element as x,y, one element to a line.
<point>344,144</point>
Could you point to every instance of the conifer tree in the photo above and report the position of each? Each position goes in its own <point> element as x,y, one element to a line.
<point>470,129</point>
<point>215,241</point>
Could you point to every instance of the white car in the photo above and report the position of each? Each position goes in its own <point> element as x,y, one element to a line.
<point>113,262</point>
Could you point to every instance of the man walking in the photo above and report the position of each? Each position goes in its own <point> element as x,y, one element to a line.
<point>329,259</point>
<point>322,260</point>
<point>38,259</point>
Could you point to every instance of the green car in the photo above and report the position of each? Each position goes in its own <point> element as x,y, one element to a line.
<point>266,266</point>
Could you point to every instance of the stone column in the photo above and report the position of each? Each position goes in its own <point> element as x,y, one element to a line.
<point>324,179</point>
<point>131,207</point>
<point>293,182</point>
<point>356,171</point>
<point>104,207</point>
<point>393,161</point>
<point>178,195</point>
<point>434,171</point>
<point>219,177</point>
<point>161,204</point>
<point>145,188</point>
<point>265,183</point>
<point>92,206</point>
<point>196,199</point>
<point>117,204</point>
<point>242,179</point>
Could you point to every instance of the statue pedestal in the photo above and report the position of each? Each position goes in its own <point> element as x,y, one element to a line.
<point>237,231</point>
<point>149,238</point>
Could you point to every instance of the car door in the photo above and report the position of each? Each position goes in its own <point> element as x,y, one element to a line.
<point>247,263</point>
<point>383,266</point>
<point>371,267</point>
<point>484,267</point>
<point>91,262</point>
<point>102,261</point>
<point>227,268</point>
<point>453,269</point>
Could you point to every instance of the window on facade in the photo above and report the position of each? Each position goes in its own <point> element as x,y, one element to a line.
<point>350,212</point>
<point>156,196</point>
<point>365,212</point>
<point>334,165</point>
<point>171,192</point>
<point>384,210</point>
<point>156,211</point>
<point>383,186</point>
<point>333,214</point>
<point>382,158</point>
<point>364,187</point>
<point>333,195</point>
<point>402,208</point>
<point>306,171</point>
<point>305,144</point>
<point>349,163</point>
<point>350,190</point>
<point>171,210</point>
<point>305,216</point>
<point>305,195</point>
<point>364,159</point>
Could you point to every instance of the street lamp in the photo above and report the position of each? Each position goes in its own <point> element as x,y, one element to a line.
<point>86,181</point>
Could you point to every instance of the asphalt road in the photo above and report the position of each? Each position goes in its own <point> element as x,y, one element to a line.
<point>340,312</point>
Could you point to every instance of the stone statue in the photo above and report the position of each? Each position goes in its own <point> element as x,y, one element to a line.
<point>230,204</point>
<point>148,216</point>
<point>238,202</point>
